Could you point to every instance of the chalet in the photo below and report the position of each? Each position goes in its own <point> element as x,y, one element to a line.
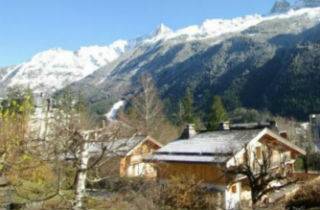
<point>206,156</point>
<point>128,154</point>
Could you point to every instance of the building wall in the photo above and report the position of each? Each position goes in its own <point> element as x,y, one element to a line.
<point>133,164</point>
<point>279,153</point>
<point>235,192</point>
<point>207,173</point>
<point>233,195</point>
<point>245,192</point>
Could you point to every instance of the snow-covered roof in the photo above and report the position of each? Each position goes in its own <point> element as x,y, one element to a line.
<point>188,158</point>
<point>119,147</point>
<point>216,147</point>
<point>221,142</point>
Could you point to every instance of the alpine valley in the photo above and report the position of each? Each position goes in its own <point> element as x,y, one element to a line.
<point>264,62</point>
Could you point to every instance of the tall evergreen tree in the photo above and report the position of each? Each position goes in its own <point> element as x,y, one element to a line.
<point>217,114</point>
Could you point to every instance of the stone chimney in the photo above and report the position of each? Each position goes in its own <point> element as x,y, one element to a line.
<point>284,134</point>
<point>188,132</point>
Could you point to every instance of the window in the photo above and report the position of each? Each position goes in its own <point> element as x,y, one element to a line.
<point>234,188</point>
<point>258,152</point>
<point>138,169</point>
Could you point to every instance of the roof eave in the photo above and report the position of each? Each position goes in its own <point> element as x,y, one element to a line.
<point>147,138</point>
<point>286,142</point>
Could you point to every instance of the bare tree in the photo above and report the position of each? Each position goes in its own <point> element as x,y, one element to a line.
<point>72,140</point>
<point>80,142</point>
<point>104,144</point>
<point>146,107</point>
<point>262,174</point>
<point>296,132</point>
<point>146,112</point>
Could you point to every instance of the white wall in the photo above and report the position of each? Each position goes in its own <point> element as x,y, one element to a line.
<point>139,169</point>
<point>232,200</point>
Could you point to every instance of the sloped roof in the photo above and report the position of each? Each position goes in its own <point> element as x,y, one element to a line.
<point>119,147</point>
<point>188,158</point>
<point>221,142</point>
<point>216,147</point>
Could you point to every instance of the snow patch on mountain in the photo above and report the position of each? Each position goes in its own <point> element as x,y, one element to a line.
<point>6,72</point>
<point>281,6</point>
<point>208,29</point>
<point>312,13</point>
<point>112,114</point>
<point>53,69</point>
<point>306,3</point>
<point>214,28</point>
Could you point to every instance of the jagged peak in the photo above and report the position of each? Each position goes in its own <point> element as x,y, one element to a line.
<point>119,44</point>
<point>281,6</point>
<point>162,30</point>
<point>307,3</point>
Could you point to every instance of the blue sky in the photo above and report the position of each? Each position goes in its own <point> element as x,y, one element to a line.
<point>31,26</point>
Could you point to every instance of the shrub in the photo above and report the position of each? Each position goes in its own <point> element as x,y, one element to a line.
<point>187,193</point>
<point>306,196</point>
<point>121,201</point>
<point>136,193</point>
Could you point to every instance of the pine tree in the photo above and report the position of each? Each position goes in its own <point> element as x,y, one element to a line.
<point>217,114</point>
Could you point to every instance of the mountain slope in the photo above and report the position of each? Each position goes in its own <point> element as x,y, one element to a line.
<point>289,83</point>
<point>281,6</point>
<point>54,69</point>
<point>220,57</point>
<point>264,62</point>
<point>307,3</point>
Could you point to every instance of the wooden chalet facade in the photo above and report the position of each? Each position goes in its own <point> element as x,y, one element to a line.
<point>206,156</point>
<point>132,163</point>
<point>126,156</point>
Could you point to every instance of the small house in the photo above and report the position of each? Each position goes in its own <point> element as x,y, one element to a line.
<point>206,156</point>
<point>132,163</point>
<point>127,156</point>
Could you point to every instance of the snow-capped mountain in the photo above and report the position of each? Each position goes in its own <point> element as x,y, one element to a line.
<point>306,3</point>
<point>280,6</point>
<point>54,69</point>
<point>208,29</point>
<point>212,57</point>
<point>225,57</point>
<point>217,28</point>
